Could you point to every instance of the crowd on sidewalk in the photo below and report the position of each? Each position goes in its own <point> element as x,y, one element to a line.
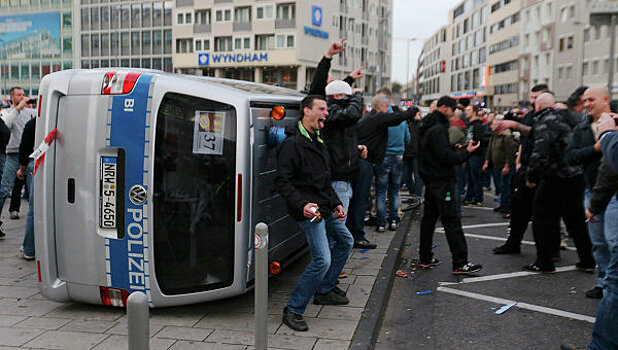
<point>549,162</point>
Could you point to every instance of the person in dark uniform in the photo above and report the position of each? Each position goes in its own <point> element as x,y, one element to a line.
<point>437,168</point>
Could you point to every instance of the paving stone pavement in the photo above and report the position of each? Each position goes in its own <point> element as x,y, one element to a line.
<point>29,321</point>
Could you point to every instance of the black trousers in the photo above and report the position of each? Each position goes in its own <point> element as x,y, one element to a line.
<point>554,199</point>
<point>440,203</point>
<point>16,194</point>
<point>521,209</point>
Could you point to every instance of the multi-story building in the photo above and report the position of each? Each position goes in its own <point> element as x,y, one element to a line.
<point>537,44</point>
<point>503,58</point>
<point>282,41</point>
<point>278,42</point>
<point>433,75</point>
<point>468,52</point>
<point>36,38</point>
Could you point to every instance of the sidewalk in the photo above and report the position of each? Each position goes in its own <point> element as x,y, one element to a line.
<point>27,320</point>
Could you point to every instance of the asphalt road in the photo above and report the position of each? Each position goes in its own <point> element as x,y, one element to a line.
<point>460,313</point>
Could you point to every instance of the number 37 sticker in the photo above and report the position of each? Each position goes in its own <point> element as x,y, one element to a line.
<point>208,132</point>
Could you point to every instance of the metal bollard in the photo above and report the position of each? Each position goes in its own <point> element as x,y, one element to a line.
<point>261,286</point>
<point>138,315</point>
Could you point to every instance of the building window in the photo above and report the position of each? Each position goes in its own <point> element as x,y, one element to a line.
<point>264,42</point>
<point>560,72</point>
<point>206,44</point>
<point>586,35</point>
<point>570,42</point>
<point>184,45</point>
<point>202,17</point>
<point>242,43</point>
<point>285,41</point>
<point>286,11</point>
<point>606,66</point>
<point>181,18</point>
<point>242,14</point>
<point>223,43</point>
<point>597,33</point>
<point>595,67</point>
<point>585,68</point>
<point>267,12</point>
<point>569,72</point>
<point>223,15</point>
<point>198,45</point>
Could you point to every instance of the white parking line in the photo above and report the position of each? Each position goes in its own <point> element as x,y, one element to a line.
<point>503,239</point>
<point>492,224</point>
<point>475,207</point>
<point>512,275</point>
<point>537,308</point>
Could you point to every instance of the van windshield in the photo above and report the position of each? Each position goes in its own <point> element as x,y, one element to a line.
<point>194,191</point>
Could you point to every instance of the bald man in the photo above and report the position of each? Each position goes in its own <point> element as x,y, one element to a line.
<point>560,189</point>
<point>585,150</point>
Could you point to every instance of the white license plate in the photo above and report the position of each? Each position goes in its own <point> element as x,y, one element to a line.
<point>109,190</point>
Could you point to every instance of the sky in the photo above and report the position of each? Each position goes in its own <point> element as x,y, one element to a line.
<point>415,19</point>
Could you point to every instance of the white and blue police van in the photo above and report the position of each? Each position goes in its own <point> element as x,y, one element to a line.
<point>155,183</point>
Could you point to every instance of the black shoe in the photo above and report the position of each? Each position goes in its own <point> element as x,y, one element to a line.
<point>536,268</point>
<point>393,226</point>
<point>339,291</point>
<point>2,235</point>
<point>294,321</point>
<point>595,293</point>
<point>330,298</point>
<point>498,210</point>
<point>430,263</point>
<point>507,249</point>
<point>370,220</point>
<point>365,244</point>
<point>556,258</point>
<point>467,268</point>
<point>584,268</point>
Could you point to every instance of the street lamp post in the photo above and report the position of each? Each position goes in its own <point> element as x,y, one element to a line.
<point>408,40</point>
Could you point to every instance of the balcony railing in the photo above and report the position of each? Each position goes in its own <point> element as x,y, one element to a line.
<point>222,1</point>
<point>184,3</point>
<point>285,23</point>
<point>238,26</point>
<point>202,28</point>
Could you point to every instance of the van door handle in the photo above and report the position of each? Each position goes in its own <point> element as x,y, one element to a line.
<point>71,190</point>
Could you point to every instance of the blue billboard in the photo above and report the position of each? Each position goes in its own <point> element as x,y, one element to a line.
<point>33,35</point>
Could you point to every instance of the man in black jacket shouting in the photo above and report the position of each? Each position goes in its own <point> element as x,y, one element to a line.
<point>437,168</point>
<point>304,182</point>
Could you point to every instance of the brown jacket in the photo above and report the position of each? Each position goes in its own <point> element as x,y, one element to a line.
<point>501,151</point>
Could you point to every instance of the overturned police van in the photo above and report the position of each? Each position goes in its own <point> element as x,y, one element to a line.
<point>155,183</point>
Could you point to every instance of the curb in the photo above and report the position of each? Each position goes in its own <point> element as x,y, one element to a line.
<point>367,330</point>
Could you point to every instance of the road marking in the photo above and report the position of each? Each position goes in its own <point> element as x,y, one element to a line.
<point>531,307</point>
<point>512,275</point>
<point>504,239</point>
<point>492,224</point>
<point>475,207</point>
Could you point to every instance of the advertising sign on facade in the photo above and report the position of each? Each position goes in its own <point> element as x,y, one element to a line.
<point>207,59</point>
<point>316,16</point>
<point>35,35</point>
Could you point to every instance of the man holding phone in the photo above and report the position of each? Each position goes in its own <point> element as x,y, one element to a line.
<point>15,118</point>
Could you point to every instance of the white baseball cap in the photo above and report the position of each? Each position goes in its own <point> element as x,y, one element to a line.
<point>338,87</point>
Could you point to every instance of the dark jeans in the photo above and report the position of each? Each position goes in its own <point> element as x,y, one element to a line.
<point>361,187</point>
<point>504,187</point>
<point>388,180</point>
<point>475,184</point>
<point>521,208</point>
<point>554,199</point>
<point>462,179</point>
<point>496,175</point>
<point>439,203</point>
<point>16,194</point>
<point>410,177</point>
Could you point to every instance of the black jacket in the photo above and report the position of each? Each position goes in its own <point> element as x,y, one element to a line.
<point>26,147</point>
<point>552,133</point>
<point>373,131</point>
<point>5,135</point>
<point>581,151</point>
<point>318,85</point>
<point>303,174</point>
<point>341,136</point>
<point>605,188</point>
<point>437,158</point>
<point>476,132</point>
<point>527,142</point>
<point>412,146</point>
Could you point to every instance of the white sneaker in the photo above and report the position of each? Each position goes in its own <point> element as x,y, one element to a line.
<point>14,215</point>
<point>24,256</point>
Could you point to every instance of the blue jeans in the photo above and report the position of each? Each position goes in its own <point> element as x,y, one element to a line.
<point>388,178</point>
<point>475,180</point>
<point>504,186</point>
<point>600,248</point>
<point>496,175</point>
<point>343,189</point>
<point>361,188</point>
<point>28,243</point>
<point>8,177</point>
<point>326,263</point>
<point>2,161</point>
<point>462,179</point>
<point>605,332</point>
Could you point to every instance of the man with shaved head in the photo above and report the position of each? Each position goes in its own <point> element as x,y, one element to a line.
<point>585,150</point>
<point>560,189</point>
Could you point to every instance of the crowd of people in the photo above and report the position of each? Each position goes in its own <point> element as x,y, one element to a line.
<point>17,127</point>
<point>550,162</point>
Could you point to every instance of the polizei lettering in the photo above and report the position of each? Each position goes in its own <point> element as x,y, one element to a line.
<point>240,57</point>
<point>135,251</point>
